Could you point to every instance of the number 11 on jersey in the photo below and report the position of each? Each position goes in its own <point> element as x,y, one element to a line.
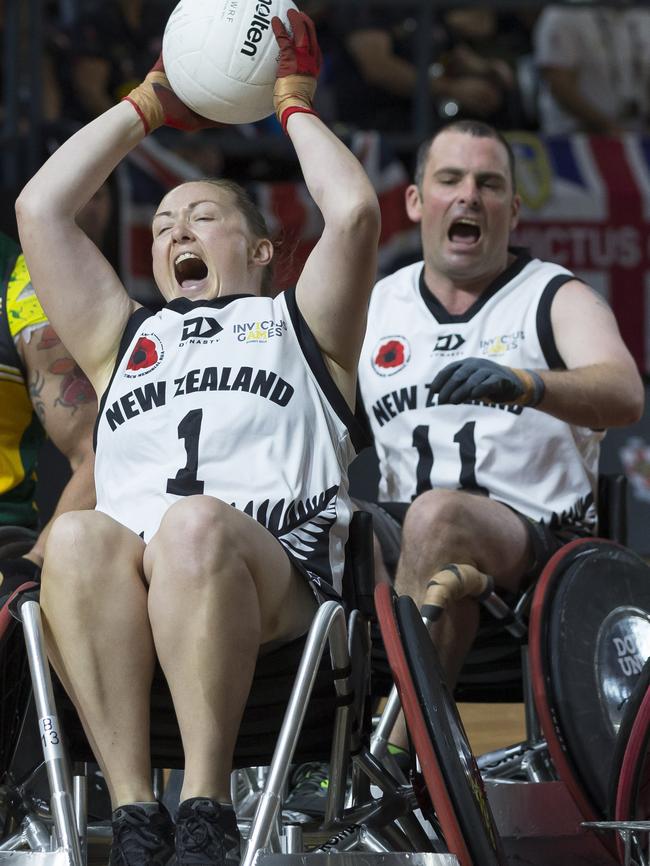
<point>464,438</point>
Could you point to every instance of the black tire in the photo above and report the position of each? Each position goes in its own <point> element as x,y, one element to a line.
<point>594,637</point>
<point>635,810</point>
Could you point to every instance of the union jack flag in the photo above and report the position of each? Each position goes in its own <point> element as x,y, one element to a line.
<point>586,205</point>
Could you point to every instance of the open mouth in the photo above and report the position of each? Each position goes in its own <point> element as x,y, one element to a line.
<point>189,270</point>
<point>464,231</point>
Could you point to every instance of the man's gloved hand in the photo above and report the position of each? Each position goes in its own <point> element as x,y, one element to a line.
<point>158,105</point>
<point>300,61</point>
<point>481,379</point>
<point>14,572</point>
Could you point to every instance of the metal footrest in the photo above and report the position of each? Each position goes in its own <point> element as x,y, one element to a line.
<point>630,832</point>
<point>36,858</point>
<point>355,858</point>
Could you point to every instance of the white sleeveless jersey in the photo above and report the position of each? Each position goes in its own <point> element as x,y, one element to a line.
<point>536,464</point>
<point>229,398</point>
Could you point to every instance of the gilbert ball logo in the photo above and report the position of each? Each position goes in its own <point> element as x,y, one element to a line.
<point>390,355</point>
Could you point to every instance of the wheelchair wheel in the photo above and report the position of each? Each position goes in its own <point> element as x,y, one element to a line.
<point>630,779</point>
<point>589,638</point>
<point>15,688</point>
<point>15,683</point>
<point>451,776</point>
<point>632,800</point>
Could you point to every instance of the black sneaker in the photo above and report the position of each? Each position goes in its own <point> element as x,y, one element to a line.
<point>141,836</point>
<point>206,834</point>
<point>309,788</point>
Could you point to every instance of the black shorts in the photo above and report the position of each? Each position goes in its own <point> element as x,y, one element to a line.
<point>322,590</point>
<point>388,518</point>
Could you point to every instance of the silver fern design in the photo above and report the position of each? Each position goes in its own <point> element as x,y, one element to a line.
<point>582,515</point>
<point>303,525</point>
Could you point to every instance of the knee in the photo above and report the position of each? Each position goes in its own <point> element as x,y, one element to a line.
<point>199,534</point>
<point>438,517</point>
<point>79,546</point>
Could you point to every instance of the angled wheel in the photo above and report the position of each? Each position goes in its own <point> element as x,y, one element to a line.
<point>15,684</point>
<point>630,788</point>
<point>450,773</point>
<point>589,637</point>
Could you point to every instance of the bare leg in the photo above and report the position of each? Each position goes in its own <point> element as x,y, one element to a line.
<point>443,526</point>
<point>95,614</point>
<point>220,587</point>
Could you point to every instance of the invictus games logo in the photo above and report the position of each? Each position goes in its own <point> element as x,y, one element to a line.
<point>497,346</point>
<point>390,355</point>
<point>147,354</point>
<point>259,332</point>
<point>201,330</point>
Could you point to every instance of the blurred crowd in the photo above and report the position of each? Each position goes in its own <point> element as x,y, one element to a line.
<point>401,68</point>
<point>555,68</point>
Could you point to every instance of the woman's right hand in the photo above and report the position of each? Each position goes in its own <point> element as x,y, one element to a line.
<point>158,105</point>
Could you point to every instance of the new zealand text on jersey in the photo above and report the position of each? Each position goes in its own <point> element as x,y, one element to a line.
<point>152,395</point>
<point>406,399</point>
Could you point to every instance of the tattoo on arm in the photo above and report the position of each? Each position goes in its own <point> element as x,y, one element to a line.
<point>35,388</point>
<point>75,388</point>
<point>49,338</point>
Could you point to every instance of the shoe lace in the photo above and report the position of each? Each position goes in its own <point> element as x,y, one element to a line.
<point>201,835</point>
<point>133,833</point>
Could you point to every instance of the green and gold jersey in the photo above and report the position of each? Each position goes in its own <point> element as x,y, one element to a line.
<point>21,433</point>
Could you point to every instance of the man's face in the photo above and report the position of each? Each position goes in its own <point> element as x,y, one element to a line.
<point>466,207</point>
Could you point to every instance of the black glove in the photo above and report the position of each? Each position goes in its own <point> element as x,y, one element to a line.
<point>480,379</point>
<point>14,572</point>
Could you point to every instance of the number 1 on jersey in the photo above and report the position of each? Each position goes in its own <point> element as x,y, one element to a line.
<point>186,483</point>
<point>467,448</point>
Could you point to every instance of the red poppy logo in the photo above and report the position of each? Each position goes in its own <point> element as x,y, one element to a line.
<point>391,355</point>
<point>144,355</point>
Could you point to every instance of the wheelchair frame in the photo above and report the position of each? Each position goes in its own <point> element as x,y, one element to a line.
<point>382,825</point>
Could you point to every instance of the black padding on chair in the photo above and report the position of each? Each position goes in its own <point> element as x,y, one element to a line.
<point>359,579</point>
<point>492,671</point>
<point>612,507</point>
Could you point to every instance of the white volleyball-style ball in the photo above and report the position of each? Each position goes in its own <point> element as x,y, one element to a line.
<point>221,56</point>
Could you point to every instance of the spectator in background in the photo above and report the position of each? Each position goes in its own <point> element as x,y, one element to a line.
<point>377,71</point>
<point>113,49</point>
<point>595,69</point>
